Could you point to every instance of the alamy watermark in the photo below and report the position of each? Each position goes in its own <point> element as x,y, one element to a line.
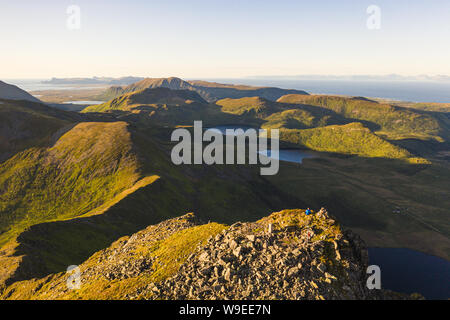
<point>73,21</point>
<point>73,282</point>
<point>374,19</point>
<point>255,140</point>
<point>374,280</point>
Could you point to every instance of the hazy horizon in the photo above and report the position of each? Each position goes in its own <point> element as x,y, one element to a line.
<point>382,77</point>
<point>209,39</point>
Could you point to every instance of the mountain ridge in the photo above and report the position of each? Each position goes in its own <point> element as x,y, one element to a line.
<point>298,257</point>
<point>210,91</point>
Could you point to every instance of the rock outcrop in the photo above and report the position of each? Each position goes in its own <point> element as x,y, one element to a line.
<point>304,257</point>
<point>287,255</point>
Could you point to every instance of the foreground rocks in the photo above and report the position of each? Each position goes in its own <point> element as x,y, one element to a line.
<point>304,257</point>
<point>286,255</point>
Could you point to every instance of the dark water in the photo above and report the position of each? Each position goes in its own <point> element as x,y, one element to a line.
<point>409,271</point>
<point>291,155</point>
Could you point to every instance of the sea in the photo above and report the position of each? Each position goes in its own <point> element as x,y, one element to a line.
<point>411,91</point>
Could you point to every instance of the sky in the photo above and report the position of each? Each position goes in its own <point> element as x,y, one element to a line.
<point>222,39</point>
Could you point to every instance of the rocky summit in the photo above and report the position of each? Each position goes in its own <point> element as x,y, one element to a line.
<point>287,255</point>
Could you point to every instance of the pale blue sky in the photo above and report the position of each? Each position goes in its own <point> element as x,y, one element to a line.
<point>208,38</point>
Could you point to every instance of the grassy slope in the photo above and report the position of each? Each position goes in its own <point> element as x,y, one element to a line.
<point>352,138</point>
<point>280,115</point>
<point>24,124</point>
<point>394,122</point>
<point>87,166</point>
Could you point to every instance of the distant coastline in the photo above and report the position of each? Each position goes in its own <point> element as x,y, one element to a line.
<point>396,90</point>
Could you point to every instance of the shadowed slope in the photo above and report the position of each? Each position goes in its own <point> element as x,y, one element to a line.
<point>24,124</point>
<point>12,92</point>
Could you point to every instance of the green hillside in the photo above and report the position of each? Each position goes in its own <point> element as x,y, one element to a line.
<point>250,106</point>
<point>281,115</point>
<point>391,121</point>
<point>24,124</point>
<point>352,138</point>
<point>88,165</point>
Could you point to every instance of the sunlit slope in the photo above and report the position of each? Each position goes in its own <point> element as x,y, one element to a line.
<point>392,121</point>
<point>280,115</point>
<point>314,128</point>
<point>352,138</point>
<point>87,166</point>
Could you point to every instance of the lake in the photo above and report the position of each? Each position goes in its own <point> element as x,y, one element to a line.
<point>409,271</point>
<point>85,102</point>
<point>289,155</point>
